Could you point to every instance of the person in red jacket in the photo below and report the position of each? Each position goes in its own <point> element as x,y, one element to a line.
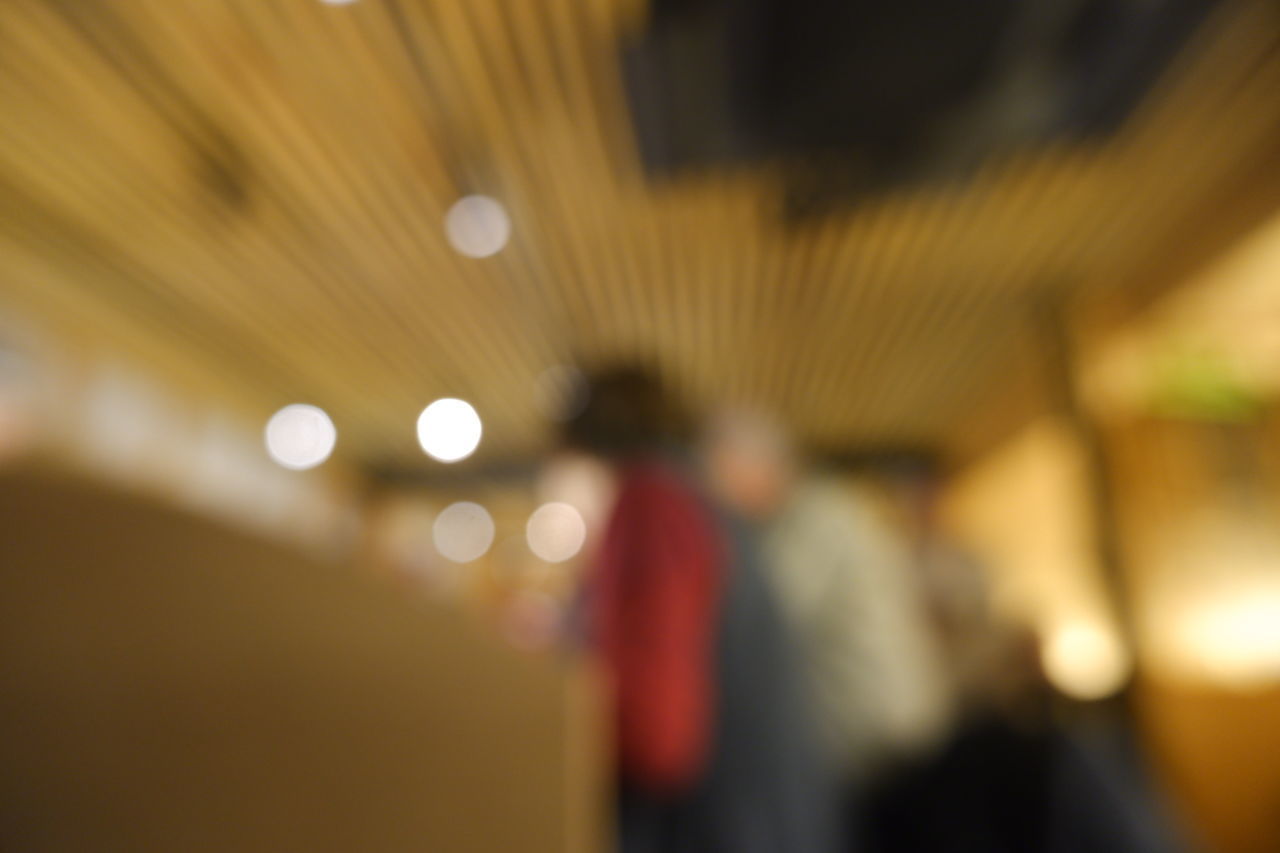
<point>659,576</point>
<point>651,610</point>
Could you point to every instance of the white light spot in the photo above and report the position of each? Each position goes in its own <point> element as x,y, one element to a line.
<point>1085,661</point>
<point>300,436</point>
<point>463,532</point>
<point>584,482</point>
<point>449,430</point>
<point>556,532</point>
<point>130,425</point>
<point>477,226</point>
<point>337,2</point>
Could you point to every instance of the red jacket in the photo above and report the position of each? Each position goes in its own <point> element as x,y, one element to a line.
<point>654,608</point>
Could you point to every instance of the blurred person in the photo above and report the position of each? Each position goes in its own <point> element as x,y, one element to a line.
<point>953,583</point>
<point>707,714</point>
<point>1014,778</point>
<point>846,584</point>
<point>1012,775</point>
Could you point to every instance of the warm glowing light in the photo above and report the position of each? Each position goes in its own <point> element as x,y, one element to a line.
<point>463,532</point>
<point>1214,615</point>
<point>449,430</point>
<point>556,532</point>
<point>337,2</point>
<point>300,436</point>
<point>1236,641</point>
<point>1085,661</point>
<point>477,226</point>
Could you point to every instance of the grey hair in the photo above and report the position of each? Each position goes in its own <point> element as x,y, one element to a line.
<point>750,430</point>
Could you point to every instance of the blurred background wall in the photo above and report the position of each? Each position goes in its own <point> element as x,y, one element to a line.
<point>172,683</point>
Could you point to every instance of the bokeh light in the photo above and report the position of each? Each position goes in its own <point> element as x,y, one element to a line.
<point>1232,638</point>
<point>477,226</point>
<point>532,619</point>
<point>556,532</point>
<point>1085,661</point>
<point>463,532</point>
<point>584,482</point>
<point>300,436</point>
<point>449,430</point>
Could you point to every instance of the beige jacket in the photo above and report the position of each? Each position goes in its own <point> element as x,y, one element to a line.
<point>847,585</point>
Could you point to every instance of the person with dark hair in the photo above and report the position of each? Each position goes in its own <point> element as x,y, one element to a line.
<point>707,723</point>
<point>651,608</point>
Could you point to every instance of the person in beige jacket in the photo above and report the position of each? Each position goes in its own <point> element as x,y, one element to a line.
<point>846,583</point>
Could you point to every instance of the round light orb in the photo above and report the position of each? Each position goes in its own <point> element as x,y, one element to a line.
<point>449,430</point>
<point>556,532</point>
<point>584,482</point>
<point>463,532</point>
<point>300,436</point>
<point>477,226</point>
<point>1085,661</point>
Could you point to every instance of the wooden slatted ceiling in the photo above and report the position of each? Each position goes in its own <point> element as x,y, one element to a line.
<point>253,191</point>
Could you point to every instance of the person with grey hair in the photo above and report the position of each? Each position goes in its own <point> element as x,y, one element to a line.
<point>845,583</point>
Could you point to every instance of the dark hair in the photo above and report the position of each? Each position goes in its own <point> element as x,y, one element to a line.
<point>628,411</point>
